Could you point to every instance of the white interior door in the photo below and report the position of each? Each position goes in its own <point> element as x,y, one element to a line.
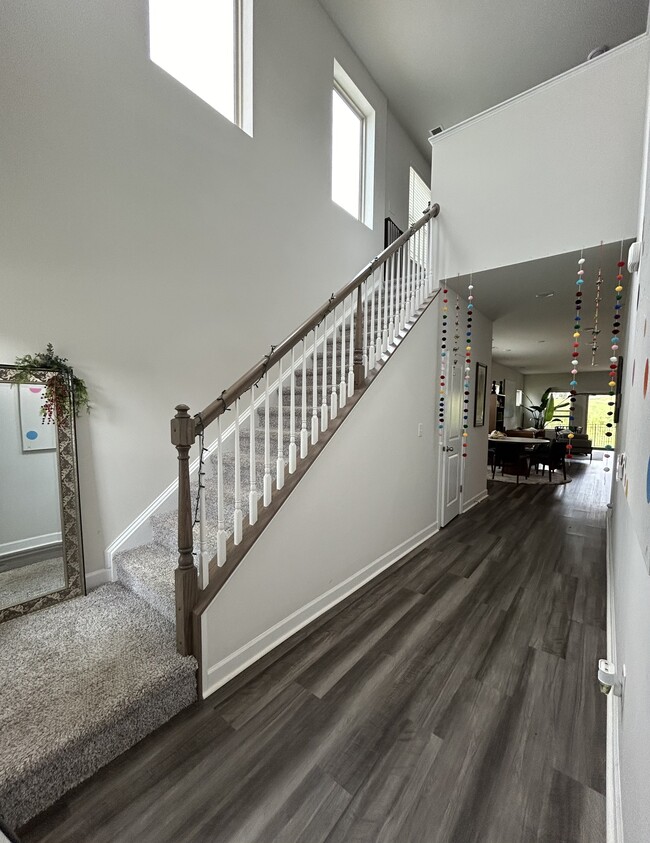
<point>452,446</point>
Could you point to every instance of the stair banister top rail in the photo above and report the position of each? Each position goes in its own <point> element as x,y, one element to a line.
<point>240,387</point>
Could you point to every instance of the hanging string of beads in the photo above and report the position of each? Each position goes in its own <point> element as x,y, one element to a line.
<point>595,332</point>
<point>468,363</point>
<point>575,354</point>
<point>613,360</point>
<point>443,363</point>
<point>456,347</point>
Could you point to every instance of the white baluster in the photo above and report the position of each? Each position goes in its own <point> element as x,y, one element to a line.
<point>252,494</point>
<point>267,444</point>
<point>385,285</point>
<point>279,466</point>
<point>342,385</point>
<point>304,433</point>
<point>365,330</point>
<point>314,392</point>
<point>429,257</point>
<point>204,555</point>
<point>418,264</point>
<point>292,415</point>
<point>351,348</point>
<point>391,318</point>
<point>221,532</point>
<point>378,349</point>
<point>324,412</point>
<point>411,282</point>
<point>238,515</point>
<point>402,289</point>
<point>373,303</point>
<point>334,402</point>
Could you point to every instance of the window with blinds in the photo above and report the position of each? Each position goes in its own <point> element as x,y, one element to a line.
<point>419,196</point>
<point>419,200</point>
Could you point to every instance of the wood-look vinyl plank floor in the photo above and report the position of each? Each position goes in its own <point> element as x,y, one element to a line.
<point>453,701</point>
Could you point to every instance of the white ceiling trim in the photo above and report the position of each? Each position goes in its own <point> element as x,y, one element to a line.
<point>549,83</point>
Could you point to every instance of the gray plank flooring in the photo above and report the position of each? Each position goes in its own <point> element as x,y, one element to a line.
<point>454,701</point>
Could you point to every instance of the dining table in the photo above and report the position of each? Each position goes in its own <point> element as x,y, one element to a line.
<point>512,452</point>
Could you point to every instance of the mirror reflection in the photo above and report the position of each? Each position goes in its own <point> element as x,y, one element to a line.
<point>31,535</point>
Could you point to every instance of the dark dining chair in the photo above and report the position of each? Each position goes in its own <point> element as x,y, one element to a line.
<point>552,456</point>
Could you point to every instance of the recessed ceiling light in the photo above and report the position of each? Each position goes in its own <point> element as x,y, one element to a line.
<point>547,295</point>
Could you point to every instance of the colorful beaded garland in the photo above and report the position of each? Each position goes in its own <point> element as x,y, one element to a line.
<point>468,363</point>
<point>575,354</point>
<point>443,363</point>
<point>613,372</point>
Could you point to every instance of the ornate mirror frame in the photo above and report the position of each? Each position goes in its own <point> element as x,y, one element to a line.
<point>75,585</point>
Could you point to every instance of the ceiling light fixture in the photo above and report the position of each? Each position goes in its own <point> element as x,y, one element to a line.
<point>547,295</point>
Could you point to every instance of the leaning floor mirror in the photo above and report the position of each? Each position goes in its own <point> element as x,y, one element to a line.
<point>41,558</point>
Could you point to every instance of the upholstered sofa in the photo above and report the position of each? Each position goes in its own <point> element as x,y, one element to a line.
<point>581,443</point>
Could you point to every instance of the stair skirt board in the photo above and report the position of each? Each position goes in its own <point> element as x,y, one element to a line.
<point>104,675</point>
<point>228,668</point>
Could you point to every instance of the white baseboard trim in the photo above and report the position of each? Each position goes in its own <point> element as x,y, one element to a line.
<point>613,805</point>
<point>467,505</point>
<point>96,578</point>
<point>232,665</point>
<point>32,543</point>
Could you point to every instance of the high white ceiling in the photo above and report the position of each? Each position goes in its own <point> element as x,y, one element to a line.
<point>442,61</point>
<point>535,334</point>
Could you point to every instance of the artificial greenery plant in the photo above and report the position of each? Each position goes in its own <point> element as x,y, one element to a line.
<point>56,396</point>
<point>544,412</point>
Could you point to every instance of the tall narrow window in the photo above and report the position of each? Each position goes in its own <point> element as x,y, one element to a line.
<point>347,154</point>
<point>352,148</point>
<point>205,45</point>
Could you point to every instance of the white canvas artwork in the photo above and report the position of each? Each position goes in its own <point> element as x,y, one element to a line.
<point>36,435</point>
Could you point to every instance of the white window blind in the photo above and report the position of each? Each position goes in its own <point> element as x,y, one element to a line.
<point>419,196</point>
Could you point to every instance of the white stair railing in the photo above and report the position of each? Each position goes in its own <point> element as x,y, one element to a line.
<point>337,348</point>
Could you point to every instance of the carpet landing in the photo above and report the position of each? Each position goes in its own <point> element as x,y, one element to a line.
<point>81,683</point>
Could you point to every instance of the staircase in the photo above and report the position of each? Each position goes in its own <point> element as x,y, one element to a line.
<point>108,662</point>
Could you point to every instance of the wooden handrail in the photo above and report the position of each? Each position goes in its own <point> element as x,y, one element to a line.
<point>241,386</point>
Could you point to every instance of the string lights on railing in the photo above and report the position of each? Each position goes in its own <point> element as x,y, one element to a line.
<point>468,363</point>
<point>443,362</point>
<point>613,373</point>
<point>575,354</point>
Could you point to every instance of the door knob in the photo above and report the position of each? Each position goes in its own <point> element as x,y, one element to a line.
<point>448,449</point>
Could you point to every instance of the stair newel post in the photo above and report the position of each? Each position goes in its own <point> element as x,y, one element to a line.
<point>304,433</point>
<point>292,415</point>
<point>238,518</point>
<point>359,365</point>
<point>334,402</point>
<point>252,494</point>
<point>183,436</point>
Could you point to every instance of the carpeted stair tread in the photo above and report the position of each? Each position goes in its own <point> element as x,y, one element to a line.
<point>105,673</point>
<point>148,571</point>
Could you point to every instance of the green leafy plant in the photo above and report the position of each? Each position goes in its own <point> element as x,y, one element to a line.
<point>544,412</point>
<point>56,395</point>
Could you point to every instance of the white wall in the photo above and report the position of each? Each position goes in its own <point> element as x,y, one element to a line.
<point>30,513</point>
<point>403,156</point>
<point>161,249</point>
<point>527,179</point>
<point>505,373</point>
<point>369,498</point>
<point>630,551</point>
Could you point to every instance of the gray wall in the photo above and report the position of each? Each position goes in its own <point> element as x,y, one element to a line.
<point>161,249</point>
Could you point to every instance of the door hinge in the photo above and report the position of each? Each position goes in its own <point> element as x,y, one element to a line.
<point>460,488</point>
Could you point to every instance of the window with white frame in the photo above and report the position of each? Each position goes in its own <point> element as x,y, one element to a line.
<point>353,130</point>
<point>206,45</point>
